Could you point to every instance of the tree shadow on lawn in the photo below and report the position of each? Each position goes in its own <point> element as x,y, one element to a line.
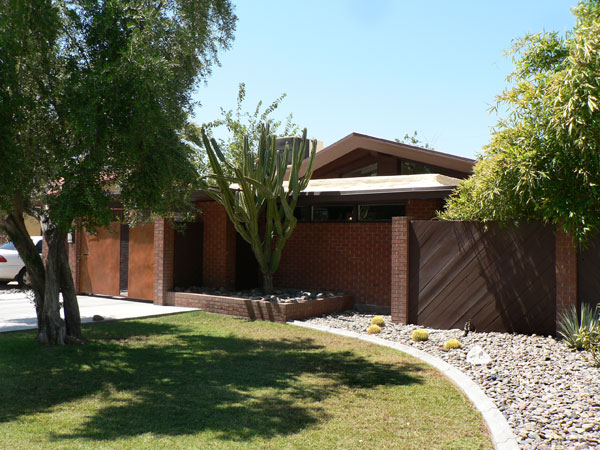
<point>237,388</point>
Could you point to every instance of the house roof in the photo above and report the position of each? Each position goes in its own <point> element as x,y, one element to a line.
<point>388,188</point>
<point>378,185</point>
<point>356,141</point>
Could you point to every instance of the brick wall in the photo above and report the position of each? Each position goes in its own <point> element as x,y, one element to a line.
<point>218,263</point>
<point>349,257</point>
<point>419,209</point>
<point>566,273</point>
<point>400,269</point>
<point>163,260</point>
<point>259,309</point>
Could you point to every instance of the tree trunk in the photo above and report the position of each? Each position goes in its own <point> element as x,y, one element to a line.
<point>267,282</point>
<point>17,232</point>
<point>70,304</point>
<point>54,331</point>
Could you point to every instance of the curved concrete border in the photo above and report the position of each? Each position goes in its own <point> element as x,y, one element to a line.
<point>502,435</point>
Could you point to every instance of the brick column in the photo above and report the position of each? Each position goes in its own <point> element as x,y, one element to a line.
<point>423,209</point>
<point>400,269</point>
<point>218,261</point>
<point>566,273</point>
<point>164,238</point>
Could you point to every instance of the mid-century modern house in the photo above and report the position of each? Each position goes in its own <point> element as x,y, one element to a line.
<point>342,242</point>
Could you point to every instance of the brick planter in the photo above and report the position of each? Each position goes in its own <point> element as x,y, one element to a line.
<point>261,309</point>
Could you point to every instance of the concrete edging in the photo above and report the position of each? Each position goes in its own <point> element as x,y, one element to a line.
<point>502,435</point>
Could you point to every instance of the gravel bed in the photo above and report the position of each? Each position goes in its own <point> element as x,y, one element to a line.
<point>549,394</point>
<point>280,295</point>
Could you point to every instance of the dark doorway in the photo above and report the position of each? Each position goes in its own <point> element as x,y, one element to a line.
<point>588,267</point>
<point>188,248</point>
<point>247,271</point>
<point>124,261</point>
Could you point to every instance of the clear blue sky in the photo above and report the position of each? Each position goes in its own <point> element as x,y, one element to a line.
<point>379,67</point>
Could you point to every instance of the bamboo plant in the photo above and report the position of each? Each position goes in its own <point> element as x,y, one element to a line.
<point>258,201</point>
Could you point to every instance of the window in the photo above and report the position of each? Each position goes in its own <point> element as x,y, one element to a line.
<point>374,213</point>
<point>302,213</point>
<point>366,171</point>
<point>8,246</point>
<point>414,168</point>
<point>348,213</point>
<point>341,213</point>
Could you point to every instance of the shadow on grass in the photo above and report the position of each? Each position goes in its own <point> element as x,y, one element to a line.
<point>235,387</point>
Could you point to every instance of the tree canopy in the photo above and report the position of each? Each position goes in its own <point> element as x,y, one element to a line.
<point>240,125</point>
<point>543,160</point>
<point>95,97</point>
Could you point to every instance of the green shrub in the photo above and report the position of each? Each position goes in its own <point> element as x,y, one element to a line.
<point>452,343</point>
<point>419,335</point>
<point>374,329</point>
<point>378,320</point>
<point>572,325</point>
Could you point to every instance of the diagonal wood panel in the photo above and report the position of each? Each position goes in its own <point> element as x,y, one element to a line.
<point>499,278</point>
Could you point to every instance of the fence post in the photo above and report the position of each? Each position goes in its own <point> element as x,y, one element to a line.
<point>566,273</point>
<point>400,269</point>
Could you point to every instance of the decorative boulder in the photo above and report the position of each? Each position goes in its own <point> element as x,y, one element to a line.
<point>478,356</point>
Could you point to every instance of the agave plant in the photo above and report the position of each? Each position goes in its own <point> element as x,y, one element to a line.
<point>574,327</point>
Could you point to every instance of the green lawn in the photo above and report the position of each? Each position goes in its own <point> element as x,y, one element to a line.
<point>200,380</point>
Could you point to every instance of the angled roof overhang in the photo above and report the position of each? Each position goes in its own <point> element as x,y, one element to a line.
<point>357,141</point>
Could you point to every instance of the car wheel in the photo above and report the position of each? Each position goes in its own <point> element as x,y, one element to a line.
<point>23,278</point>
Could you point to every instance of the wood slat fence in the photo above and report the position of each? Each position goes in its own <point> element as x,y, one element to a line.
<point>498,278</point>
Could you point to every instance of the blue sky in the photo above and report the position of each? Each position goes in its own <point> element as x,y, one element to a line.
<point>379,67</point>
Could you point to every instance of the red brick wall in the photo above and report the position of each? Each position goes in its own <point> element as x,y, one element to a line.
<point>259,309</point>
<point>163,260</point>
<point>423,209</point>
<point>218,268</point>
<point>400,269</point>
<point>566,273</point>
<point>349,257</point>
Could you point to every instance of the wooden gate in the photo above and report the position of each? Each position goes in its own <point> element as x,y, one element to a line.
<point>141,262</point>
<point>99,261</point>
<point>499,279</point>
<point>111,265</point>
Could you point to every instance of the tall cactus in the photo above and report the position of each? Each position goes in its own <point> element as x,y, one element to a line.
<point>255,191</point>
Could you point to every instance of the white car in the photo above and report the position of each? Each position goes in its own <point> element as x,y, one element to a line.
<point>11,264</point>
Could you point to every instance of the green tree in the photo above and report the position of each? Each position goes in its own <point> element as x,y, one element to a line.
<point>241,124</point>
<point>95,97</point>
<point>543,160</point>
<point>257,200</point>
<point>413,139</point>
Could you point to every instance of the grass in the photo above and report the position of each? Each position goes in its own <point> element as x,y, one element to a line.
<point>199,380</point>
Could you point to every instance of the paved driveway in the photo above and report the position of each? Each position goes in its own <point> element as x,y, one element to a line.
<point>17,312</point>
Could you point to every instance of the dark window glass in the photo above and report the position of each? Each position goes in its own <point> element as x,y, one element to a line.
<point>39,246</point>
<point>343,213</point>
<point>413,168</point>
<point>366,171</point>
<point>380,212</point>
<point>302,213</point>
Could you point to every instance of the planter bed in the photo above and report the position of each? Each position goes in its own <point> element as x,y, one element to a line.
<point>252,309</point>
